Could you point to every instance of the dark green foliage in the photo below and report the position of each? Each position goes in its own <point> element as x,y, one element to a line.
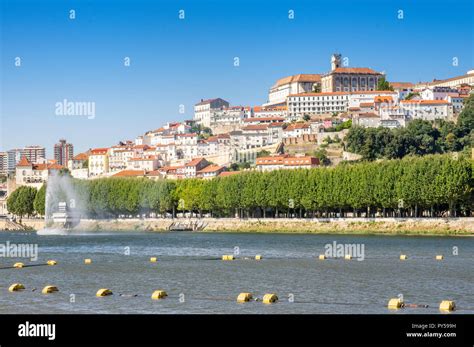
<point>40,200</point>
<point>383,84</point>
<point>20,202</point>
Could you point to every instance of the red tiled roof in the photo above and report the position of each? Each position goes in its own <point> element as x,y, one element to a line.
<point>298,78</point>
<point>24,162</point>
<point>195,162</point>
<point>355,70</point>
<point>211,168</point>
<point>81,156</point>
<point>297,126</point>
<point>97,151</point>
<point>154,173</point>
<point>402,85</point>
<point>381,98</point>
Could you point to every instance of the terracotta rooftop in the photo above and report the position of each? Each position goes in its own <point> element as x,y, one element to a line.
<point>24,162</point>
<point>298,78</point>
<point>355,70</point>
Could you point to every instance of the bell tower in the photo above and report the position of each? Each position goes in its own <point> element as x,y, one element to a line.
<point>335,61</point>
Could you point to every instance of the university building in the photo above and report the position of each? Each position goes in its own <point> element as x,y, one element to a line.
<point>347,79</point>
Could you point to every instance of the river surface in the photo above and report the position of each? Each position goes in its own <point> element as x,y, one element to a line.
<point>190,270</point>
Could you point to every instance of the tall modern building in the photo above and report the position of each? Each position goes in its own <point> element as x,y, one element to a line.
<point>3,163</point>
<point>14,156</point>
<point>34,154</point>
<point>63,151</point>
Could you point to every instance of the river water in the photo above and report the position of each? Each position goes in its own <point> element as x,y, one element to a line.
<point>189,269</point>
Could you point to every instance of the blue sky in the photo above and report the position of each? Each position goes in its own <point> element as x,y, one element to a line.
<point>176,62</point>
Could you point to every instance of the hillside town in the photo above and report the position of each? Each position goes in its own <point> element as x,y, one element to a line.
<point>303,113</point>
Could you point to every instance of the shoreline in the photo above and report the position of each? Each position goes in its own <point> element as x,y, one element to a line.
<point>463,226</point>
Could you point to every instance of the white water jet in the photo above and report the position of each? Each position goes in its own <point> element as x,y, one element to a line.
<point>64,199</point>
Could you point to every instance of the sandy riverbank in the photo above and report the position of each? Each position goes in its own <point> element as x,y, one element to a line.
<point>385,226</point>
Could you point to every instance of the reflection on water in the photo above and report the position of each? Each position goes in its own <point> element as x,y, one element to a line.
<point>197,281</point>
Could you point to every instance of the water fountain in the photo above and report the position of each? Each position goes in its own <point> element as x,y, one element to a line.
<point>64,207</point>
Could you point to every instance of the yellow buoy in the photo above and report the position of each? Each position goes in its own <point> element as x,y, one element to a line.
<point>16,287</point>
<point>258,257</point>
<point>447,305</point>
<point>228,257</point>
<point>395,304</point>
<point>439,257</point>
<point>348,257</point>
<point>51,262</point>
<point>153,260</point>
<point>244,297</point>
<point>18,265</point>
<point>159,294</point>
<point>322,257</point>
<point>87,261</point>
<point>269,298</point>
<point>49,289</point>
<point>403,257</point>
<point>103,292</point>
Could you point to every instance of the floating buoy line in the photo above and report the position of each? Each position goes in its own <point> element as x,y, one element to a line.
<point>231,257</point>
<point>247,297</point>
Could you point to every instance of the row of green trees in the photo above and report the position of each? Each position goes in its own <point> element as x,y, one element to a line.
<point>27,201</point>
<point>434,185</point>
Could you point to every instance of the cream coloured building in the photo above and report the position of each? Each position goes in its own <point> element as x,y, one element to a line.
<point>427,109</point>
<point>204,109</point>
<point>458,81</point>
<point>296,84</point>
<point>348,79</point>
<point>98,162</point>
<point>310,104</point>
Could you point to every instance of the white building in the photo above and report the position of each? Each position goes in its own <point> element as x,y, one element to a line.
<point>310,104</point>
<point>296,84</point>
<point>98,162</point>
<point>33,175</point>
<point>147,163</point>
<point>402,88</point>
<point>118,157</point>
<point>285,161</point>
<point>356,99</point>
<point>438,93</point>
<point>427,109</point>
<point>270,112</point>
<point>296,130</point>
<point>229,115</point>
<point>467,79</point>
<point>202,110</point>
